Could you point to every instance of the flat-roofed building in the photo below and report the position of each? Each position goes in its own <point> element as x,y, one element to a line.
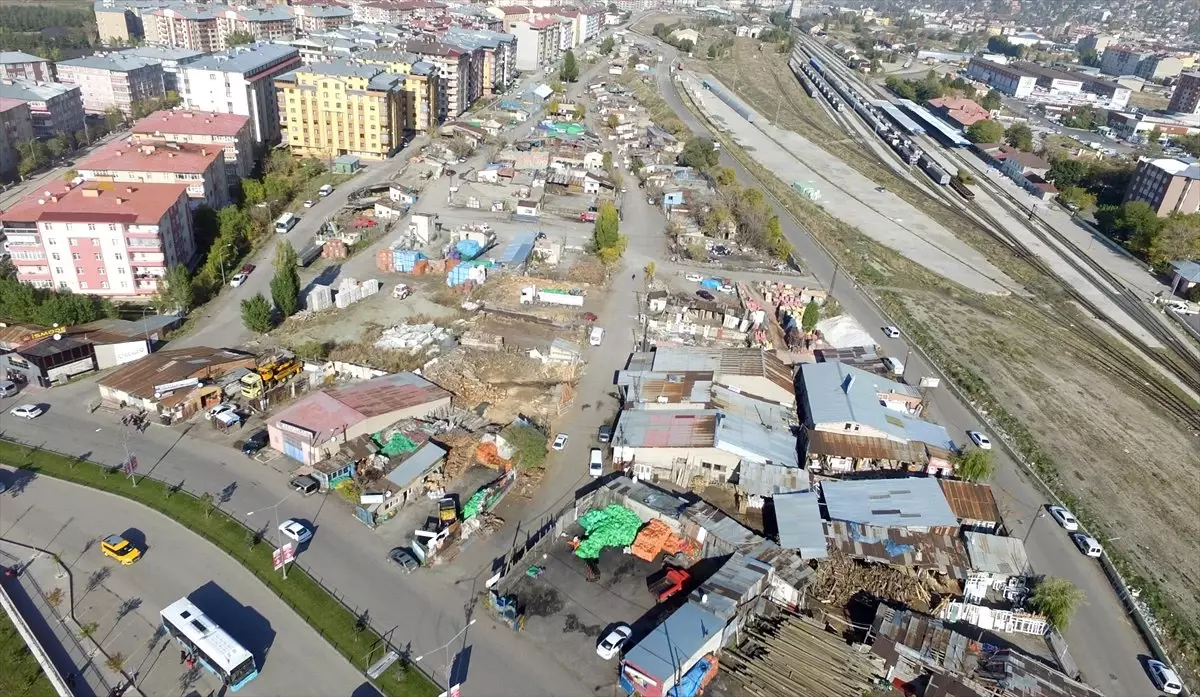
<point>230,132</point>
<point>169,57</point>
<point>16,128</point>
<point>15,65</point>
<point>199,167</point>
<point>1169,185</point>
<point>240,81</point>
<point>108,82</point>
<point>54,107</point>
<point>107,239</point>
<point>313,19</point>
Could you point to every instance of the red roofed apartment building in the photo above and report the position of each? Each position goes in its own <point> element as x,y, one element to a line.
<point>230,132</point>
<point>200,167</point>
<point>114,240</point>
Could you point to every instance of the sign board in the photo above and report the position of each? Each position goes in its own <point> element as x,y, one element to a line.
<point>382,664</point>
<point>296,430</point>
<point>929,382</point>
<point>366,498</point>
<point>177,385</point>
<point>283,555</point>
<point>44,333</point>
<point>130,466</point>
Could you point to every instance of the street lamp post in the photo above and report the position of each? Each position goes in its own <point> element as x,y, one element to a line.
<point>223,264</point>
<point>446,646</point>
<point>278,533</point>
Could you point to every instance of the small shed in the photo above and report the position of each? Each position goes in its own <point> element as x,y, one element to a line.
<point>798,518</point>
<point>347,164</point>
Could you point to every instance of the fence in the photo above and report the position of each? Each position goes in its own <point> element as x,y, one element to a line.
<point>361,662</point>
<point>1118,583</point>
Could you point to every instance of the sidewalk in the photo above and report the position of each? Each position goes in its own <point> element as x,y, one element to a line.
<point>40,575</point>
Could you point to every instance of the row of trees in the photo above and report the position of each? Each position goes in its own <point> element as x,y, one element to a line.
<point>34,18</point>
<point>1136,225</point>
<point>257,312</point>
<point>24,303</point>
<point>933,86</point>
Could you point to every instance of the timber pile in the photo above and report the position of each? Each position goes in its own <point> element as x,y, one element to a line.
<point>791,655</point>
<point>839,578</point>
<point>462,453</point>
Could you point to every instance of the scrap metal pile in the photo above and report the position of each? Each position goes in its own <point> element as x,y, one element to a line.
<point>614,526</point>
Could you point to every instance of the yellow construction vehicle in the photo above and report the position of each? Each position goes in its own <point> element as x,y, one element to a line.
<point>271,372</point>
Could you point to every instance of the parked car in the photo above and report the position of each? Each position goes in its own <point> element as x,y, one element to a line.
<point>120,549</point>
<point>255,442</point>
<point>248,268</point>
<point>309,203</point>
<point>237,280</point>
<point>404,559</point>
<point>705,295</point>
<point>1064,518</point>
<point>1163,677</point>
<point>560,441</point>
<point>693,277</point>
<point>891,332</point>
<point>224,408</point>
<point>295,530</point>
<point>611,644</point>
<point>8,388</point>
<point>306,485</point>
<point>980,440</point>
<point>1087,544</point>
<point>605,433</point>
<point>325,190</point>
<point>27,411</point>
<point>595,462</point>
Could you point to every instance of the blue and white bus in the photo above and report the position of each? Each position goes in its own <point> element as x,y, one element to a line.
<point>212,647</point>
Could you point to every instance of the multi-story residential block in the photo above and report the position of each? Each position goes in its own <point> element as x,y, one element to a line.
<point>426,103</point>
<point>515,13</point>
<point>230,132</point>
<point>240,81</point>
<point>389,12</point>
<point>476,16</point>
<point>313,19</point>
<point>454,69</point>
<point>1005,78</point>
<point>200,167</point>
<point>499,55</point>
<point>209,29</point>
<point>572,32</point>
<point>55,108</point>
<point>268,24</point>
<point>1144,63</point>
<point>537,42</point>
<point>16,129</point>
<point>593,22</point>
<point>113,81</point>
<point>117,24</point>
<point>332,109</point>
<point>1168,185</point>
<point>566,31</point>
<point>15,65</point>
<point>1186,97</point>
<point>1095,42</point>
<point>169,57</point>
<point>106,239</point>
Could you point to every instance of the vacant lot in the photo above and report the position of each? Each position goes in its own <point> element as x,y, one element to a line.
<point>1131,467</point>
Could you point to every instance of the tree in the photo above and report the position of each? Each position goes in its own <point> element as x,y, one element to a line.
<point>985,131</point>
<point>649,269</point>
<point>812,315</point>
<point>88,630</point>
<point>1082,117</point>
<point>699,153</point>
<point>553,106</point>
<point>1178,237</point>
<point>992,100</point>
<point>613,121</point>
<point>1056,599</point>
<point>964,177</point>
<point>557,86</point>
<point>1066,171</point>
<point>1089,57</point>
<point>580,112</point>
<point>57,146</point>
<point>528,443</point>
<point>974,465</point>
<point>607,161</point>
<point>256,314</point>
<point>724,176</point>
<point>1078,197</point>
<point>1019,136</point>
<point>285,284</point>
<point>115,662</point>
<point>238,38</point>
<point>606,46</point>
<point>607,231</point>
<point>570,68</point>
<point>1134,220</point>
<point>176,292</point>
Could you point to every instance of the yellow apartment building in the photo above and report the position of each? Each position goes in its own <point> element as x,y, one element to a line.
<point>343,108</point>
<point>422,82</point>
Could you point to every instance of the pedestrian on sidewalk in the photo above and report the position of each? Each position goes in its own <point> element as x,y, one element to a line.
<point>182,656</point>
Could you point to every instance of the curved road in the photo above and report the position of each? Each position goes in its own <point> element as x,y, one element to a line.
<point>1104,642</point>
<point>124,601</point>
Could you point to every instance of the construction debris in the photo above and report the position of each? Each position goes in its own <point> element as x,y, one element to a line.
<point>839,578</point>
<point>412,337</point>
<point>791,655</point>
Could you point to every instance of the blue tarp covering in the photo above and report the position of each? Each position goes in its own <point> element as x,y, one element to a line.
<point>712,283</point>
<point>689,684</point>
<point>518,251</point>
<point>468,249</point>
<point>510,104</point>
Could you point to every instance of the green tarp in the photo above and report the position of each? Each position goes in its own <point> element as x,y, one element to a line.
<point>396,445</point>
<point>615,526</point>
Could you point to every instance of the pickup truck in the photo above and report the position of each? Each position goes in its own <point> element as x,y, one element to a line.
<point>669,583</point>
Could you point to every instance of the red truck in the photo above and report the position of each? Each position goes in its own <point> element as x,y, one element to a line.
<point>669,583</point>
<point>588,216</point>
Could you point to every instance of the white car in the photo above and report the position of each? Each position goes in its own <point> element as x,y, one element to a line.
<point>980,439</point>
<point>309,203</point>
<point>221,409</point>
<point>891,332</point>
<point>560,441</point>
<point>295,530</point>
<point>238,280</point>
<point>1087,544</point>
<point>693,277</point>
<point>612,643</point>
<point>27,411</point>
<point>1064,518</point>
<point>1163,677</point>
<point>595,462</point>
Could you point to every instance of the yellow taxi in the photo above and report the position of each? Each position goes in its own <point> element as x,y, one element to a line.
<point>120,549</point>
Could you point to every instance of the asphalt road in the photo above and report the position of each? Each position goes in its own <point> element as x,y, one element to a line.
<point>68,520</point>
<point>1103,640</point>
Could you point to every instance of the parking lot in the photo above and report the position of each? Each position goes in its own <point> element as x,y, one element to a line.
<point>570,615</point>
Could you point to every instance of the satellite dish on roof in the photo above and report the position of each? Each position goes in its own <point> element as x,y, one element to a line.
<point>57,337</point>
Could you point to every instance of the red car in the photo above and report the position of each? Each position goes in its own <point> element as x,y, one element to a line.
<point>247,269</point>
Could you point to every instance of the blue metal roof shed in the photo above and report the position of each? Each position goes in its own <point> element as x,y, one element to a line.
<point>937,127</point>
<point>899,117</point>
<point>798,518</point>
<point>676,645</point>
<point>518,251</point>
<point>416,464</point>
<point>912,502</point>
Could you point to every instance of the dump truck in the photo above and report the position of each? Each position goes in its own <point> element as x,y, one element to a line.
<point>270,372</point>
<point>669,583</point>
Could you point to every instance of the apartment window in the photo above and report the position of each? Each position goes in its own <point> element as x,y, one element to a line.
<point>58,269</point>
<point>91,226</point>
<point>104,284</point>
<point>97,256</point>
<point>83,284</point>
<point>62,285</point>
<point>121,272</point>
<point>74,242</point>
<point>54,256</point>
<point>112,226</point>
<point>124,284</point>
<point>76,257</point>
<point>79,270</point>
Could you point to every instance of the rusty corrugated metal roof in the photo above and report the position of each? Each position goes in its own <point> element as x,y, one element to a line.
<point>971,501</point>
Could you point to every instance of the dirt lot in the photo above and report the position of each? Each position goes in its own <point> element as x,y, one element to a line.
<point>505,292</point>
<point>510,383</point>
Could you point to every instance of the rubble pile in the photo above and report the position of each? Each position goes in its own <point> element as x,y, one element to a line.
<point>475,377</point>
<point>839,578</point>
<point>414,338</point>
<point>462,453</point>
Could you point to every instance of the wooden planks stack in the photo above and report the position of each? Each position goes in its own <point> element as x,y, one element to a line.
<point>790,656</point>
<point>840,577</point>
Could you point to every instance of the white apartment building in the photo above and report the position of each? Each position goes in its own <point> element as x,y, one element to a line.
<point>239,81</point>
<point>113,81</point>
<point>105,239</point>
<point>537,42</point>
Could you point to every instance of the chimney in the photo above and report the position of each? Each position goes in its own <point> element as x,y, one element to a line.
<point>119,200</point>
<point>129,189</point>
<point>91,193</point>
<point>54,198</point>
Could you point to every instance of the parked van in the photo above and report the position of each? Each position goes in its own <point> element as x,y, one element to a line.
<point>325,190</point>
<point>596,462</point>
<point>8,388</point>
<point>597,336</point>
